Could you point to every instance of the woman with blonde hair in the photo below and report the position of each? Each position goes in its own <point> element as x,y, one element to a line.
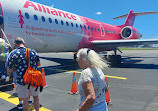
<point>92,85</point>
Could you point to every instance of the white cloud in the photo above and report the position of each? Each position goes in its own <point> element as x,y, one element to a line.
<point>52,6</point>
<point>98,13</point>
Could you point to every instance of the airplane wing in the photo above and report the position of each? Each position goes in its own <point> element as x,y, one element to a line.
<point>119,43</point>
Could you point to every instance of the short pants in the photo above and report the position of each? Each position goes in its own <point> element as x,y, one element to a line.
<point>23,91</point>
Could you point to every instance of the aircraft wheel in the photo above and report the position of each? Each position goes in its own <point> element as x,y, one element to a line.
<point>75,56</point>
<point>114,60</point>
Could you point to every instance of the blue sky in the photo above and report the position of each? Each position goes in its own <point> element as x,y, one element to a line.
<point>147,25</point>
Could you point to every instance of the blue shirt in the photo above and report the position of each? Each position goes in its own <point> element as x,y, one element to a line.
<point>19,62</point>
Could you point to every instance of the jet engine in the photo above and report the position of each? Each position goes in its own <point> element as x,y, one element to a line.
<point>127,32</point>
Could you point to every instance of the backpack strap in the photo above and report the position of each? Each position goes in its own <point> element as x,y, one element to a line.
<point>28,56</point>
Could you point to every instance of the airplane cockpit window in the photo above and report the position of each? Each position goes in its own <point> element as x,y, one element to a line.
<point>43,19</point>
<point>62,23</point>
<point>35,17</point>
<point>27,15</point>
<point>50,20</point>
<point>67,23</point>
<point>76,26</point>
<point>72,24</point>
<point>56,21</point>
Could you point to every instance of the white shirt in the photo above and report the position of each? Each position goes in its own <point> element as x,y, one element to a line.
<point>96,76</point>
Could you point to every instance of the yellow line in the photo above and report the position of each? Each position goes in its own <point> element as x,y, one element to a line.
<point>116,77</point>
<point>9,98</point>
<point>14,100</point>
<point>66,70</point>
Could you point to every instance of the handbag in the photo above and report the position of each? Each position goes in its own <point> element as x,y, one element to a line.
<point>32,77</point>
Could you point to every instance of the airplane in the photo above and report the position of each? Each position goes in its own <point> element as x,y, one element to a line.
<point>48,29</point>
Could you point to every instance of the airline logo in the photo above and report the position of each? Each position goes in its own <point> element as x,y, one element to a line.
<point>21,21</point>
<point>48,10</point>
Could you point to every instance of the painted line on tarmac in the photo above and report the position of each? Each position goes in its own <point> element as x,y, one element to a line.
<point>115,77</point>
<point>15,100</point>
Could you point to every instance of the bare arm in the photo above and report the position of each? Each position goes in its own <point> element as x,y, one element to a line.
<point>38,64</point>
<point>90,96</point>
<point>9,71</point>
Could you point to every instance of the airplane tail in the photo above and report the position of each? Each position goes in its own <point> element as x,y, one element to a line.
<point>131,17</point>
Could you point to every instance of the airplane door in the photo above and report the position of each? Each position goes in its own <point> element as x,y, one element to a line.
<point>1,23</point>
<point>102,30</point>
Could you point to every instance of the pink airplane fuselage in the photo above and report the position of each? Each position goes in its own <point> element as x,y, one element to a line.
<point>47,29</point>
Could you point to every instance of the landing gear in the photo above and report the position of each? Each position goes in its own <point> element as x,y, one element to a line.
<point>75,56</point>
<point>114,59</point>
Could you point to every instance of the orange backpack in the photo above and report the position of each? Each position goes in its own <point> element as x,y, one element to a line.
<point>32,77</point>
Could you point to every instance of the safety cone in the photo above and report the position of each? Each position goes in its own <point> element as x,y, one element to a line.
<point>74,85</point>
<point>44,79</point>
<point>15,89</point>
<point>107,96</point>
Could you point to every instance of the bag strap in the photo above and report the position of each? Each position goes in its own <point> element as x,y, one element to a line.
<point>28,56</point>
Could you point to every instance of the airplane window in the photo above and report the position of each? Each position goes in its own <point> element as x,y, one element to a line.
<point>27,15</point>
<point>35,17</point>
<point>76,26</point>
<point>62,23</point>
<point>72,24</point>
<point>43,19</point>
<point>50,20</point>
<point>67,23</point>
<point>56,21</point>
<point>88,27</point>
<point>95,29</point>
<point>102,30</point>
<point>92,28</point>
<point>81,26</point>
<point>98,29</point>
<point>84,27</point>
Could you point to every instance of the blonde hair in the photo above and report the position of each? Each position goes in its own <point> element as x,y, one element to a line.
<point>2,40</point>
<point>92,57</point>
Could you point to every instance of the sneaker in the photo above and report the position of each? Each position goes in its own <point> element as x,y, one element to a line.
<point>3,77</point>
<point>19,106</point>
<point>30,102</point>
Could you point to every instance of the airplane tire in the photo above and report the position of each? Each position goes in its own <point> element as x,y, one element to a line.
<point>114,60</point>
<point>75,56</point>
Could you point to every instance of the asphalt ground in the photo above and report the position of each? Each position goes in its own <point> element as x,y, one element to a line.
<point>133,86</point>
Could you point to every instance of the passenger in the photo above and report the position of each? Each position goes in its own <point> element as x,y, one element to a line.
<point>19,106</point>
<point>18,61</point>
<point>92,87</point>
<point>4,51</point>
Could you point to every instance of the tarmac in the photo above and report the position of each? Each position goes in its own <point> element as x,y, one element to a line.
<point>133,86</point>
